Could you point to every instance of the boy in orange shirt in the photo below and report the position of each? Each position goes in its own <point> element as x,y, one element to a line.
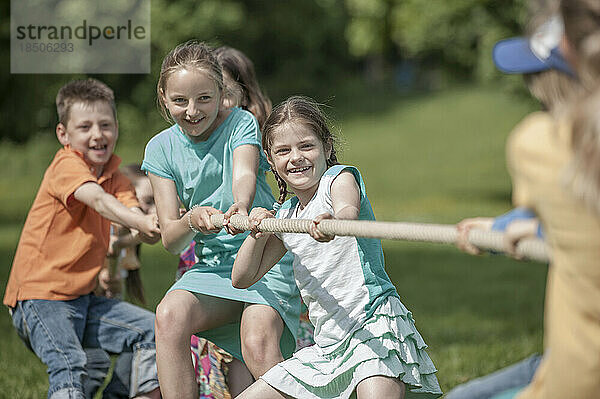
<point>62,249</point>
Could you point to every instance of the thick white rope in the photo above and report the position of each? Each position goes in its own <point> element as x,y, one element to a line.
<point>532,249</point>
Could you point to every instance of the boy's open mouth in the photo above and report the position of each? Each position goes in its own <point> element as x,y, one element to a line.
<point>99,147</point>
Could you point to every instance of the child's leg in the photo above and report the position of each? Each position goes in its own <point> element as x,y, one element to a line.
<point>261,331</point>
<point>98,365</point>
<point>54,331</point>
<point>238,377</point>
<point>118,387</point>
<point>120,327</point>
<point>380,387</point>
<point>179,315</point>
<point>262,390</point>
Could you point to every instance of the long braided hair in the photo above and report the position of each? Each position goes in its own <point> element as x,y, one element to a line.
<point>302,110</point>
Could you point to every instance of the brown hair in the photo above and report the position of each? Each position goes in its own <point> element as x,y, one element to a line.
<point>86,91</point>
<point>241,70</point>
<point>188,55</point>
<point>301,110</point>
<point>582,31</point>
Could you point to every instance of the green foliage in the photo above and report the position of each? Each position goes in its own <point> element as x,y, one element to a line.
<point>461,32</point>
<point>298,47</point>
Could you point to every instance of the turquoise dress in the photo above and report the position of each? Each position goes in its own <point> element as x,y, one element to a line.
<point>203,174</point>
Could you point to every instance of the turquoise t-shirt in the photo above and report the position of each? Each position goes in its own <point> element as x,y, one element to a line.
<point>203,172</point>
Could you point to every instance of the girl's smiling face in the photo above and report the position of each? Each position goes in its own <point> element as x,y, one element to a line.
<point>299,157</point>
<point>193,100</point>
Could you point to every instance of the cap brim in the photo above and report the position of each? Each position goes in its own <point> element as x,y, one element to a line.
<point>515,56</point>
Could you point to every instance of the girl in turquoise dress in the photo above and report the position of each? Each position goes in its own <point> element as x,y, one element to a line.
<point>366,342</point>
<point>211,161</point>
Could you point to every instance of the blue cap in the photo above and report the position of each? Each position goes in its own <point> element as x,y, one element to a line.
<point>538,53</point>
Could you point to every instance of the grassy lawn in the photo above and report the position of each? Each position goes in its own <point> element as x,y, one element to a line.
<point>429,158</point>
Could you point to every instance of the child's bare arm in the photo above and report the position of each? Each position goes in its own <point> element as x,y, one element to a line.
<point>345,196</point>
<point>107,205</point>
<point>175,228</point>
<point>345,200</point>
<point>245,169</point>
<point>258,254</point>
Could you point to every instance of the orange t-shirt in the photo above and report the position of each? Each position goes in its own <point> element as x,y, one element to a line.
<point>64,242</point>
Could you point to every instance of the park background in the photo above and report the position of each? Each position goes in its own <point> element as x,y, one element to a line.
<point>411,89</point>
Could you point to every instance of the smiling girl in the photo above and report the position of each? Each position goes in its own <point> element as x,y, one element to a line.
<point>365,339</point>
<point>211,161</point>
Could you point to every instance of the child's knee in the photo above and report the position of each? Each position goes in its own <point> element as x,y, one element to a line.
<point>259,346</point>
<point>169,318</point>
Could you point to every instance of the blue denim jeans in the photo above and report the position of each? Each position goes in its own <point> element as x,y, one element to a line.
<point>98,365</point>
<point>512,377</point>
<point>57,331</point>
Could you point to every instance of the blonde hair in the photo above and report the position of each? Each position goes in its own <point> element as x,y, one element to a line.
<point>305,111</point>
<point>582,31</point>
<point>188,55</point>
<point>553,88</point>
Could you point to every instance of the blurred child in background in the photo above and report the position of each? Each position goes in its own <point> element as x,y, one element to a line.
<point>121,273</point>
<point>554,164</point>
<point>552,82</point>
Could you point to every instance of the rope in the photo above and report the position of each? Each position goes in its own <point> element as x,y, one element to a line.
<point>532,249</point>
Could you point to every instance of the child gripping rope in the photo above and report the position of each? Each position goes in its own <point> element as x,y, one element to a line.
<point>365,339</point>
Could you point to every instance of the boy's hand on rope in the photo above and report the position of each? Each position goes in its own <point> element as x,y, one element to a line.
<point>200,219</point>
<point>256,216</point>
<point>518,230</point>
<point>236,208</point>
<point>149,230</point>
<point>463,227</point>
<point>314,231</point>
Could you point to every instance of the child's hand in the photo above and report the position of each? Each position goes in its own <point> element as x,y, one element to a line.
<point>109,287</point>
<point>200,219</point>
<point>114,245</point>
<point>518,230</point>
<point>149,230</point>
<point>463,227</point>
<point>256,216</point>
<point>315,233</point>
<point>236,208</point>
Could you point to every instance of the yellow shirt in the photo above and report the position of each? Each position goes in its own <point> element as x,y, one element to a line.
<point>539,151</point>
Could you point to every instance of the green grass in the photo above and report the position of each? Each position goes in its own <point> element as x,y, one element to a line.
<point>436,157</point>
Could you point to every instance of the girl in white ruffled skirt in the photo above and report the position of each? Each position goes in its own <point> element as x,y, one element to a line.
<point>365,339</point>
